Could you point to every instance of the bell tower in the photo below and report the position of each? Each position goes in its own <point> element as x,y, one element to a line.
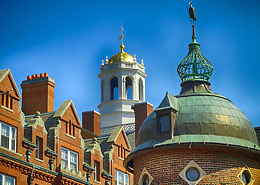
<point>122,85</point>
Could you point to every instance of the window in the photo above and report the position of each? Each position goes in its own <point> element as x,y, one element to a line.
<point>121,152</point>
<point>7,100</point>
<point>128,87</point>
<point>70,128</point>
<point>145,180</point>
<point>192,174</point>
<point>6,179</point>
<point>97,171</point>
<point>246,176</point>
<point>39,149</point>
<point>114,88</point>
<point>8,136</point>
<point>69,159</point>
<point>164,124</point>
<point>121,178</point>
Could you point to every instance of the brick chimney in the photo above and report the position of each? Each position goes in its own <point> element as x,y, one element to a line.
<point>142,110</point>
<point>38,94</point>
<point>91,121</point>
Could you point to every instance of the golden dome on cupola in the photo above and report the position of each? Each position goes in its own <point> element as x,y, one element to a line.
<point>122,56</point>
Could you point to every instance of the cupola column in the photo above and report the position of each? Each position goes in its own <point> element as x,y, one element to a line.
<point>135,90</point>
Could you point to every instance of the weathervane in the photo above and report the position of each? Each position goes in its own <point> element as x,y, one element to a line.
<point>192,15</point>
<point>121,38</point>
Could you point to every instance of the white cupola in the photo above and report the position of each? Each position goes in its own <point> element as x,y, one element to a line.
<point>122,85</point>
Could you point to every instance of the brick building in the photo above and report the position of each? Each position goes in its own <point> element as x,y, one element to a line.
<point>41,146</point>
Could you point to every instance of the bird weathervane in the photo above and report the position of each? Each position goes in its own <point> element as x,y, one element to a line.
<point>193,18</point>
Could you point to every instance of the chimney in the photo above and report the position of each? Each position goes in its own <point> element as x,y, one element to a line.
<point>91,121</point>
<point>142,110</point>
<point>38,94</point>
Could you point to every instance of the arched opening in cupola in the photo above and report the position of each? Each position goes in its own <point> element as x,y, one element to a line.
<point>129,88</point>
<point>114,88</point>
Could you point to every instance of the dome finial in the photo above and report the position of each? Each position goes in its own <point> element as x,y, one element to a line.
<point>194,67</point>
<point>122,47</point>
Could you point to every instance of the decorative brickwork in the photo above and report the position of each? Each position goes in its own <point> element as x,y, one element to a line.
<point>221,164</point>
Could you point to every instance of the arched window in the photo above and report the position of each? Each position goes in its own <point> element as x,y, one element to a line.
<point>141,92</point>
<point>129,88</point>
<point>102,90</point>
<point>114,88</point>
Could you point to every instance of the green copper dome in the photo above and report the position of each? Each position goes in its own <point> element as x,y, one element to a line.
<point>201,118</point>
<point>195,66</point>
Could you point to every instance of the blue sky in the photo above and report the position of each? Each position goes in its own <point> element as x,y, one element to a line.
<point>68,40</point>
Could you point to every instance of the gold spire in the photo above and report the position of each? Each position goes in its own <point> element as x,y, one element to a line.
<point>122,47</point>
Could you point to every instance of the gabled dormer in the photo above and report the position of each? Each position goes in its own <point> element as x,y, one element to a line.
<point>9,94</point>
<point>121,144</point>
<point>66,132</point>
<point>10,120</point>
<point>118,147</point>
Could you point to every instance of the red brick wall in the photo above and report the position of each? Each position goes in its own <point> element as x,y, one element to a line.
<point>222,165</point>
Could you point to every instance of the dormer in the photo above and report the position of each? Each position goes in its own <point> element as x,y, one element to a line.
<point>68,135</point>
<point>9,94</point>
<point>10,124</point>
<point>165,116</point>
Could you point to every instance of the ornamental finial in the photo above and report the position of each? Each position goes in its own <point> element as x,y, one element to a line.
<point>194,67</point>
<point>122,47</point>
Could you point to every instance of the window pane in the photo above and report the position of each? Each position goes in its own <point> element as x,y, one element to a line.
<point>13,138</point>
<point>5,141</point>
<point>73,157</point>
<point>9,181</point>
<point>1,180</point>
<point>5,130</point>
<point>13,144</point>
<point>126,179</point>
<point>64,163</point>
<point>64,154</point>
<point>73,166</point>
<point>121,177</point>
<point>164,124</point>
<point>13,133</point>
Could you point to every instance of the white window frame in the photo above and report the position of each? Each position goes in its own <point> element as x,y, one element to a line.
<point>117,172</point>
<point>69,152</point>
<point>4,176</point>
<point>10,138</point>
